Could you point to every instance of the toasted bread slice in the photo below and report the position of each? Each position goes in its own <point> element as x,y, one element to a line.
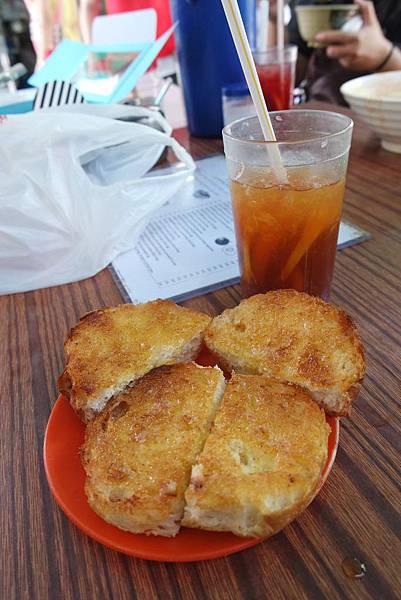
<point>294,338</point>
<point>139,451</point>
<point>262,462</point>
<point>112,347</point>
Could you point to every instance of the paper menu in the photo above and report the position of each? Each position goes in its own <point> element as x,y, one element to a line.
<point>188,247</point>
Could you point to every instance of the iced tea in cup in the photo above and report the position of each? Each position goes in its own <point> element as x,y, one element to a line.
<point>287,231</point>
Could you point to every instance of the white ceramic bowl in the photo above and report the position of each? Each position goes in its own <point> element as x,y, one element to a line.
<point>376,99</point>
<point>314,19</point>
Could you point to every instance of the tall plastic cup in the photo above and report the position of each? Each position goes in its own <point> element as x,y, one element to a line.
<point>287,234</point>
<point>276,70</point>
<point>208,59</point>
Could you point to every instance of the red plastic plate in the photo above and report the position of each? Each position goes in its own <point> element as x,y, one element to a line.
<point>66,477</point>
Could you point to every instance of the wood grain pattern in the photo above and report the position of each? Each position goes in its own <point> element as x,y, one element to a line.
<point>43,556</point>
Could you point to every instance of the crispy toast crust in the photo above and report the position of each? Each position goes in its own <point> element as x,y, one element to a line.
<point>262,462</point>
<point>139,451</point>
<point>294,338</point>
<point>112,347</point>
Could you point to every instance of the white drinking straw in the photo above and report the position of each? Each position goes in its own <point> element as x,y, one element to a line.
<point>248,66</point>
<point>280,24</point>
<point>280,38</point>
<point>263,25</point>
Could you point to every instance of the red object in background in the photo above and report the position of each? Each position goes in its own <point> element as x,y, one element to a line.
<point>162,7</point>
<point>277,85</point>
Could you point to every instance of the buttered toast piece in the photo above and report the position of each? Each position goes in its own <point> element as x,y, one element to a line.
<point>262,462</point>
<point>294,338</point>
<point>139,451</point>
<point>112,347</point>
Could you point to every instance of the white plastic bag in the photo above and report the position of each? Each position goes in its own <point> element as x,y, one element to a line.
<point>74,191</point>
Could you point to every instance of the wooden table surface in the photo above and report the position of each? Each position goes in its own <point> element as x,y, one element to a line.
<point>357,513</point>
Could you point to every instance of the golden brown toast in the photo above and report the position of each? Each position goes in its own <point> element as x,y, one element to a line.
<point>262,462</point>
<point>294,338</point>
<point>139,451</point>
<point>112,347</point>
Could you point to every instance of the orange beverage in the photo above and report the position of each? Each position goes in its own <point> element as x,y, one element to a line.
<point>286,225</point>
<point>286,235</point>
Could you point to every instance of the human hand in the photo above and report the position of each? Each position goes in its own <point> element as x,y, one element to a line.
<point>360,51</point>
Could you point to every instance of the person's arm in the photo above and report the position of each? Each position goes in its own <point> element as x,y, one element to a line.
<point>88,10</point>
<point>366,50</point>
<point>41,27</point>
<point>272,25</point>
<point>394,62</point>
